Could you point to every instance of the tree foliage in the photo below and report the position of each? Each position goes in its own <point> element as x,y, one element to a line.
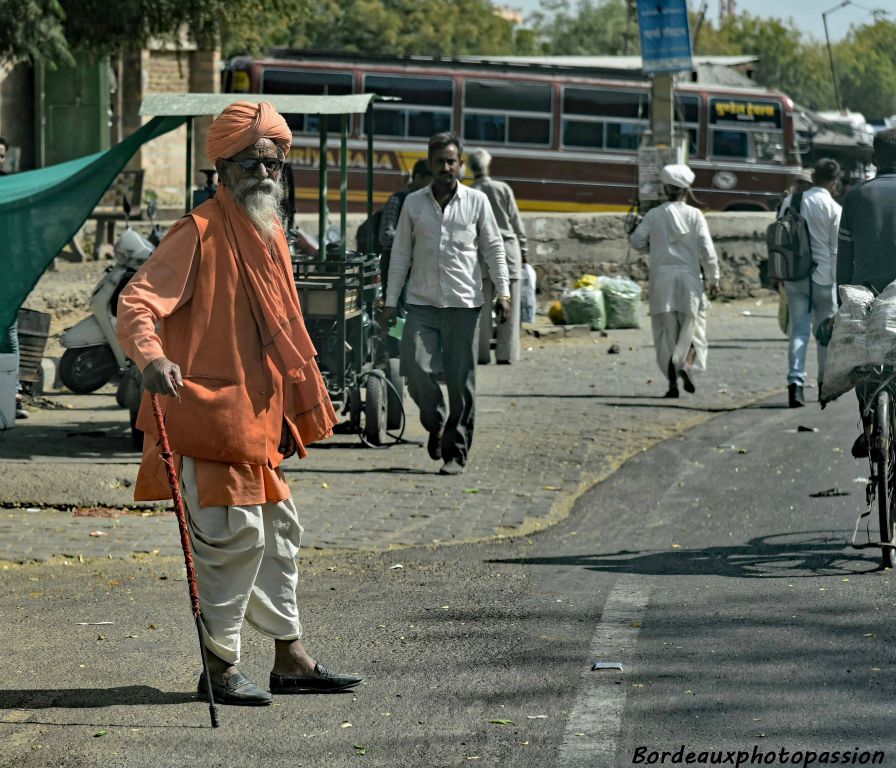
<point>593,27</point>
<point>434,28</point>
<point>33,30</point>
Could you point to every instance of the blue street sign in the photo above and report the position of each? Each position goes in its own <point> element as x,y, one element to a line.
<point>665,35</point>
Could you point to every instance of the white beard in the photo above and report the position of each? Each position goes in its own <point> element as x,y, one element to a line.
<point>260,199</point>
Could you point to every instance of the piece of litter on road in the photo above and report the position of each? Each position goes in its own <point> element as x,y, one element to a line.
<point>346,724</point>
<point>828,492</point>
<point>801,428</point>
<point>396,567</point>
<point>746,312</point>
<point>726,447</point>
<point>860,479</point>
<point>98,533</point>
<point>536,717</point>
<point>617,665</point>
<point>552,488</point>
<point>33,509</point>
<point>94,623</point>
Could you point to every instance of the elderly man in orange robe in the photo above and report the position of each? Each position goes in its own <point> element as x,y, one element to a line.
<point>214,323</point>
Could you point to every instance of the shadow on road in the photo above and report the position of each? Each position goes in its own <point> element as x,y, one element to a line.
<point>806,554</point>
<point>69,441</point>
<point>89,698</point>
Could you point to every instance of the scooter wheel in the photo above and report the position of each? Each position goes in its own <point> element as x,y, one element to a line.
<point>86,369</point>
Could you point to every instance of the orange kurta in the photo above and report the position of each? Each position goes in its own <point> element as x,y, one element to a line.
<point>235,399</point>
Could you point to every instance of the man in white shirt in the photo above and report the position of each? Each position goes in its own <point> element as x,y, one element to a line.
<point>814,298</point>
<point>680,248</point>
<point>441,231</point>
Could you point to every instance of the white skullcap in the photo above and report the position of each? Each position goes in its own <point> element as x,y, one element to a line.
<point>677,175</point>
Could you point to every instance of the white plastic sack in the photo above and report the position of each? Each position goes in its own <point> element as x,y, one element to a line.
<point>584,306</point>
<point>881,336</point>
<point>622,298</point>
<point>848,348</point>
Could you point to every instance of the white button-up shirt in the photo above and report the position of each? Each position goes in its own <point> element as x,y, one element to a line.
<point>822,215</point>
<point>437,252</point>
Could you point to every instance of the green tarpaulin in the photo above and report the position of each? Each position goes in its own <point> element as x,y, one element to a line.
<point>41,211</point>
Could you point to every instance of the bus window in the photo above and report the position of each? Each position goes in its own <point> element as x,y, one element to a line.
<point>425,107</point>
<point>687,117</point>
<point>598,118</point>
<point>578,133</point>
<point>730,144</point>
<point>507,112</point>
<point>302,82</point>
<point>747,129</point>
<point>624,135</point>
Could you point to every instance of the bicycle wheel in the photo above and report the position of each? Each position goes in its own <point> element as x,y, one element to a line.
<point>884,464</point>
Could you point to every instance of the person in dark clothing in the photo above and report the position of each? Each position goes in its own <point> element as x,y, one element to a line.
<point>866,252</point>
<point>420,177</point>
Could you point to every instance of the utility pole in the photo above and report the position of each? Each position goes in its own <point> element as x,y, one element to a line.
<point>827,37</point>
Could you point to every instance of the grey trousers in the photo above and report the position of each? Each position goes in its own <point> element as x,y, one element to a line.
<point>440,343</point>
<point>507,348</point>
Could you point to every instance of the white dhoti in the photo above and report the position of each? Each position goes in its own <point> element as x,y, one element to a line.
<point>245,568</point>
<point>680,337</point>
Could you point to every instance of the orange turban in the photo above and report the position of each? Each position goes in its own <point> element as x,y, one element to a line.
<point>242,124</point>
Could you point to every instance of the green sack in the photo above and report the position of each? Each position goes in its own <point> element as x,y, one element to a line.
<point>622,298</point>
<point>585,306</point>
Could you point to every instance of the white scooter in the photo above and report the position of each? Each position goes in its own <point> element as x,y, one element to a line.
<point>93,355</point>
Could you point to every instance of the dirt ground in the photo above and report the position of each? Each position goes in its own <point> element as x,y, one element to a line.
<point>64,292</point>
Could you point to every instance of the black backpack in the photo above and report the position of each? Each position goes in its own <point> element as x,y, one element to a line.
<point>374,222</point>
<point>789,249</point>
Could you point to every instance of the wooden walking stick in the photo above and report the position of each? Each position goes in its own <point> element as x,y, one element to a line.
<point>181,515</point>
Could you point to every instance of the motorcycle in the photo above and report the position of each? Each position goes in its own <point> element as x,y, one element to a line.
<point>93,355</point>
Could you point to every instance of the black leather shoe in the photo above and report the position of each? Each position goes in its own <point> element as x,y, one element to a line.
<point>434,445</point>
<point>322,680</point>
<point>687,383</point>
<point>795,397</point>
<point>237,690</point>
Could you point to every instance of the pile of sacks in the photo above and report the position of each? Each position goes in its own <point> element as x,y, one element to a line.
<point>599,302</point>
<point>864,337</point>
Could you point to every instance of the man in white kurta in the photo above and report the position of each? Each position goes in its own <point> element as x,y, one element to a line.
<point>680,246</point>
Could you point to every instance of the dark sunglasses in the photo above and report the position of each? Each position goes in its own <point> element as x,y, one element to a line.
<point>250,165</point>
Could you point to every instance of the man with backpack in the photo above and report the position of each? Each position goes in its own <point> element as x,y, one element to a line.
<point>812,216</point>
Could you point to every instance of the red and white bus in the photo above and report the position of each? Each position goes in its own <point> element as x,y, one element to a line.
<point>564,135</point>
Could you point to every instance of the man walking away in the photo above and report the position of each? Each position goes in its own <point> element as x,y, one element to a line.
<point>503,203</point>
<point>680,246</point>
<point>867,241</point>
<point>812,299</point>
<point>441,232</point>
<point>214,323</point>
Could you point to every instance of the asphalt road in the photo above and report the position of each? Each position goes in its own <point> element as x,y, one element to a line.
<point>730,596</point>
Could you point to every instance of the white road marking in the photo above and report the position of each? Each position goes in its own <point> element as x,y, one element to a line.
<point>592,730</point>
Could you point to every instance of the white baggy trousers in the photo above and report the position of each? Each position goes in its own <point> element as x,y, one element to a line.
<point>245,568</point>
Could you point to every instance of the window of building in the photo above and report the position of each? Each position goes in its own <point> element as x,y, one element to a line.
<point>507,112</point>
<point>307,83</point>
<point>425,108</point>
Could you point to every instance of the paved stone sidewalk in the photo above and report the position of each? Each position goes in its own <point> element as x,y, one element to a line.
<point>547,428</point>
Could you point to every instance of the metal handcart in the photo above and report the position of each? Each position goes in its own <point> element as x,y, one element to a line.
<point>339,290</point>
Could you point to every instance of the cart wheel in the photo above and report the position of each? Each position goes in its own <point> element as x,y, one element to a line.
<point>394,413</point>
<point>354,408</point>
<point>375,411</point>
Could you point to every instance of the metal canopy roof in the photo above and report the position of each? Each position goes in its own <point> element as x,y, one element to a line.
<point>194,104</point>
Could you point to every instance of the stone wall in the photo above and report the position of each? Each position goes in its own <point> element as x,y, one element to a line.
<point>564,246</point>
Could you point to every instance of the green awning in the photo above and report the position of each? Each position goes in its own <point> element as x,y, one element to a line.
<point>42,210</point>
<point>194,104</point>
